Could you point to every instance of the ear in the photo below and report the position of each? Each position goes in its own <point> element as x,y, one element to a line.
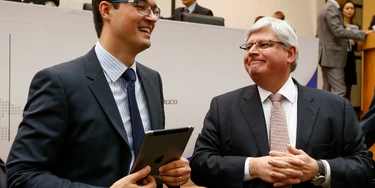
<point>105,9</point>
<point>292,54</point>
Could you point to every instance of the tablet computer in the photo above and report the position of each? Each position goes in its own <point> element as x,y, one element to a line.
<point>160,147</point>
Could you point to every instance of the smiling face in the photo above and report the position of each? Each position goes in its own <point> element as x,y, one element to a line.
<point>267,67</point>
<point>348,10</point>
<point>126,27</point>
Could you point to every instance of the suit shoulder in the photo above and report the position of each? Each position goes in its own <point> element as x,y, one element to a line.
<point>146,69</point>
<point>69,71</point>
<point>235,94</point>
<point>204,10</point>
<point>70,66</point>
<point>178,10</point>
<point>323,96</point>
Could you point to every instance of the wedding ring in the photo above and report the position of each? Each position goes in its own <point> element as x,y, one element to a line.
<point>180,178</point>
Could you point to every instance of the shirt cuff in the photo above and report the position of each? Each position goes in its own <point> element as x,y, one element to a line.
<point>246,176</point>
<point>327,183</point>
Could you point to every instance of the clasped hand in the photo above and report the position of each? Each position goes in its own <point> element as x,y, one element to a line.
<point>283,169</point>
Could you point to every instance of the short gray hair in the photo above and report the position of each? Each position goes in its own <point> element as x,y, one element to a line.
<point>284,32</point>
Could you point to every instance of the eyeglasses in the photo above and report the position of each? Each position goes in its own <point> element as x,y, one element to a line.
<point>143,7</point>
<point>260,45</point>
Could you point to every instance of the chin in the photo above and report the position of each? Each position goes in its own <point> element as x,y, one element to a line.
<point>144,46</point>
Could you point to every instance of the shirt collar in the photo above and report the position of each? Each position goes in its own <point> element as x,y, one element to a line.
<point>335,3</point>
<point>113,67</point>
<point>191,8</point>
<point>289,91</point>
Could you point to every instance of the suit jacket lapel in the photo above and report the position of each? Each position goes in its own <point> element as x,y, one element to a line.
<point>253,111</point>
<point>196,9</point>
<point>101,90</point>
<point>148,91</point>
<point>306,117</point>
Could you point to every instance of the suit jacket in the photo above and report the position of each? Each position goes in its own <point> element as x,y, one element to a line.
<point>372,23</point>
<point>333,37</point>
<point>368,124</point>
<point>72,134</point>
<point>198,10</point>
<point>3,179</point>
<point>235,128</point>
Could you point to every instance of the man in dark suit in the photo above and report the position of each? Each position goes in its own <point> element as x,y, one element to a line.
<point>322,142</point>
<point>191,7</point>
<point>372,23</point>
<point>3,179</point>
<point>77,130</point>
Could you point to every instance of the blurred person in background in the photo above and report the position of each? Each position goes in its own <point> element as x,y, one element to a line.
<point>372,24</point>
<point>333,46</point>
<point>258,18</point>
<point>279,15</point>
<point>191,7</point>
<point>348,12</point>
<point>52,3</point>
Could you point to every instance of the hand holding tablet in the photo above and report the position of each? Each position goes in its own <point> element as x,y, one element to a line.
<point>160,147</point>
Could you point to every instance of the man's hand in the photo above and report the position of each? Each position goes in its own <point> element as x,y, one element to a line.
<point>309,170</point>
<point>175,173</point>
<point>369,31</point>
<point>130,181</point>
<point>270,169</point>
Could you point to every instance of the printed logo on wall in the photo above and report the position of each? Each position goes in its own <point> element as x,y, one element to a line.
<point>170,101</point>
<point>7,110</point>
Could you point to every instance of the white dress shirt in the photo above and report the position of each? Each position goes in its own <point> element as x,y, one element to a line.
<point>289,104</point>
<point>113,70</point>
<point>191,8</point>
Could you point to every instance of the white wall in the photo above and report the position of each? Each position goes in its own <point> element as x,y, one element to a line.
<point>301,14</point>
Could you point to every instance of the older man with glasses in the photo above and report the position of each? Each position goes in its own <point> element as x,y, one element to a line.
<point>278,133</point>
<point>84,120</point>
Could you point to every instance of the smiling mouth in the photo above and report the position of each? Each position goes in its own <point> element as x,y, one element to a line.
<point>145,30</point>
<point>256,61</point>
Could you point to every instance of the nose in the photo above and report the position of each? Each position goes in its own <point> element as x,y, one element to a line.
<point>152,17</point>
<point>253,50</point>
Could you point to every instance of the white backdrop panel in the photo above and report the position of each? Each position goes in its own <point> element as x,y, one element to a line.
<point>4,91</point>
<point>196,62</point>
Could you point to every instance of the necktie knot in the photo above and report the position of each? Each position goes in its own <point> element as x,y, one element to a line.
<point>277,97</point>
<point>129,75</point>
<point>186,10</point>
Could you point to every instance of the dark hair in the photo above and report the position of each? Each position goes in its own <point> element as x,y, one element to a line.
<point>352,19</point>
<point>280,14</point>
<point>258,18</point>
<point>98,21</point>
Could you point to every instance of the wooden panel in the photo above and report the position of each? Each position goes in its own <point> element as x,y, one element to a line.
<point>368,72</point>
<point>368,11</point>
<point>368,67</point>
